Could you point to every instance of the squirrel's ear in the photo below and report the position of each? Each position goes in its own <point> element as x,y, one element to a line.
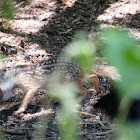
<point>1,94</point>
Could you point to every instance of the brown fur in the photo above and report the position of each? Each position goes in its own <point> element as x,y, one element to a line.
<point>38,76</point>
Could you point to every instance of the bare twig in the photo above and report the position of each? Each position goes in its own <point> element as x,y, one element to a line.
<point>32,116</point>
<point>104,133</point>
<point>85,113</point>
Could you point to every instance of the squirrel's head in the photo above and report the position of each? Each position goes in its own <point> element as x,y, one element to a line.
<point>6,84</point>
<point>5,95</point>
<point>6,91</point>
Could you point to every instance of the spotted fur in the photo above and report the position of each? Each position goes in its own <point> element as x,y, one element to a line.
<point>38,75</point>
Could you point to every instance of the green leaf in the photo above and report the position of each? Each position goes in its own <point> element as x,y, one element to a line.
<point>7,9</point>
<point>81,51</point>
<point>130,131</point>
<point>123,52</point>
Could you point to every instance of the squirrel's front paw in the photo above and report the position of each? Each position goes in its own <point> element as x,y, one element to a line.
<point>19,111</point>
<point>93,91</point>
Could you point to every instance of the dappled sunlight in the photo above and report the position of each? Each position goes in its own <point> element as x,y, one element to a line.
<point>31,26</point>
<point>6,38</point>
<point>122,14</point>
<point>45,38</point>
<point>118,10</point>
<point>29,21</point>
<point>33,20</point>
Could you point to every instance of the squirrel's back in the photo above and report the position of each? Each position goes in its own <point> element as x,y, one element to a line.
<point>37,75</point>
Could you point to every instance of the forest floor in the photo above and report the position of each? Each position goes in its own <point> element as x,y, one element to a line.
<point>43,27</point>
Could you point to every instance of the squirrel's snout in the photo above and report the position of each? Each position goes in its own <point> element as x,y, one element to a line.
<point>1,94</point>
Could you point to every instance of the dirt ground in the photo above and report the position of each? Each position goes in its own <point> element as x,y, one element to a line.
<point>44,27</point>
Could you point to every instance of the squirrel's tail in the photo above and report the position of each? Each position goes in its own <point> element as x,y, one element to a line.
<point>107,71</point>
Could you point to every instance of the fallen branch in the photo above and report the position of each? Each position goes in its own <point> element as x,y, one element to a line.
<point>8,106</point>
<point>14,132</point>
<point>29,116</point>
<point>104,133</point>
<point>85,113</point>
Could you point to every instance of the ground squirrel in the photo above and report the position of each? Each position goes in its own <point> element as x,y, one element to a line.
<point>31,78</point>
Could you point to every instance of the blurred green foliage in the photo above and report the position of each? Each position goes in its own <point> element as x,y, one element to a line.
<point>7,9</point>
<point>123,52</point>
<point>2,135</point>
<point>129,131</point>
<point>81,51</point>
<point>66,118</point>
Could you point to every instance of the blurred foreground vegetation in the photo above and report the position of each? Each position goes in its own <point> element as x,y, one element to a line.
<point>7,9</point>
<point>122,52</point>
